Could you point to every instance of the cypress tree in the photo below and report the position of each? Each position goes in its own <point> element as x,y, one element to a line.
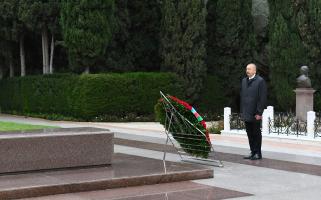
<point>145,17</point>
<point>135,45</point>
<point>119,56</point>
<point>87,29</point>
<point>231,44</point>
<point>183,39</point>
<point>287,54</point>
<point>309,25</point>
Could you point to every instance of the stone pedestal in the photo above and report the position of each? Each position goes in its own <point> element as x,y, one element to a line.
<point>304,102</point>
<point>55,149</point>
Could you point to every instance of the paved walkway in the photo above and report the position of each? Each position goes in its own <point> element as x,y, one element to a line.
<point>291,169</point>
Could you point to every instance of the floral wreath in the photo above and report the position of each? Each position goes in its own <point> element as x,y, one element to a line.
<point>193,110</point>
<point>193,144</point>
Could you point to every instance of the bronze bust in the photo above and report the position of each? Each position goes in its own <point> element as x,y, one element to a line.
<point>303,80</point>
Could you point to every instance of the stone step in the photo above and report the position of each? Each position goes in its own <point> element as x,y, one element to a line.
<point>126,170</point>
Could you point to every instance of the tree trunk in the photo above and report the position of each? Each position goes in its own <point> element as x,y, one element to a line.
<point>11,67</point>
<point>205,3</point>
<point>87,70</point>
<point>45,53</point>
<point>52,48</point>
<point>1,72</point>
<point>22,56</point>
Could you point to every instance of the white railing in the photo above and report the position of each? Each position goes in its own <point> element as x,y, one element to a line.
<point>268,122</point>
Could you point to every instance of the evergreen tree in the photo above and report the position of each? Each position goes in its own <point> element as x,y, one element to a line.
<point>87,29</point>
<point>145,17</point>
<point>231,43</point>
<point>183,39</point>
<point>119,57</point>
<point>314,13</point>
<point>135,45</point>
<point>287,54</point>
<point>309,25</point>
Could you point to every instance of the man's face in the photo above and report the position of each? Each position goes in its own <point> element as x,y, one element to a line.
<point>250,70</point>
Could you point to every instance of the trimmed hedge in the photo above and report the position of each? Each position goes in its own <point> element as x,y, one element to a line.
<point>38,94</point>
<point>90,97</point>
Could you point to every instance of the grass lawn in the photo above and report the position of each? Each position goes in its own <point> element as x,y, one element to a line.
<point>11,126</point>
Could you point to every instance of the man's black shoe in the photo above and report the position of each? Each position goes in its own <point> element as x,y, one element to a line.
<point>249,156</point>
<point>256,157</point>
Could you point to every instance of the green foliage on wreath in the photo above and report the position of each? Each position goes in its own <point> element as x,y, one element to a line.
<point>192,143</point>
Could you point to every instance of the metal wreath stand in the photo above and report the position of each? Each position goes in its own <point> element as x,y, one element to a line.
<point>173,116</point>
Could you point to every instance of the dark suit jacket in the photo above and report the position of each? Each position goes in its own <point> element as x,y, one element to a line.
<point>253,98</point>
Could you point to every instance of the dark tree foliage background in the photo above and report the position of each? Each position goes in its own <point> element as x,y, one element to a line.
<point>206,43</point>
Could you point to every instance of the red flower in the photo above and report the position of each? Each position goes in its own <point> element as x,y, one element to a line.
<point>203,123</point>
<point>189,107</point>
<point>186,105</point>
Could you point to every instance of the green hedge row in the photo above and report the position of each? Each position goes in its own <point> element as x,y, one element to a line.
<point>90,97</point>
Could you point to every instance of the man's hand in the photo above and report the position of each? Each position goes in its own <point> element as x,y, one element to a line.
<point>258,117</point>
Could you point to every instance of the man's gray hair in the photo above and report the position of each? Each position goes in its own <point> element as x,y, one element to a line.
<point>252,64</point>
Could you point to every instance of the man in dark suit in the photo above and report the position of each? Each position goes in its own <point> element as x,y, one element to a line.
<point>253,102</point>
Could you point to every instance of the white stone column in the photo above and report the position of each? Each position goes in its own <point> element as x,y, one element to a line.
<point>227,116</point>
<point>310,124</point>
<point>271,114</point>
<point>265,122</point>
